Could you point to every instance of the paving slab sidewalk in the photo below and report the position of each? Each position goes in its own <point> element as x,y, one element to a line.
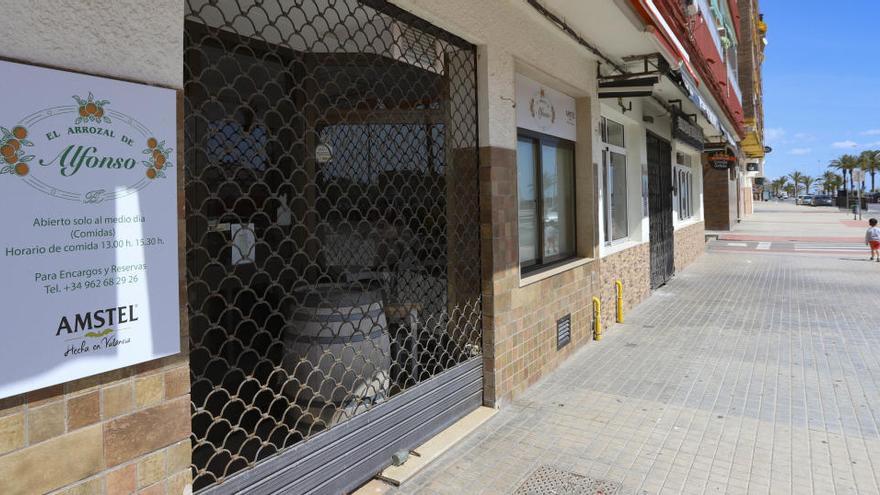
<point>747,373</point>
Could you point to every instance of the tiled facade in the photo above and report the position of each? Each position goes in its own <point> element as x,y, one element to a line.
<point>519,323</point>
<point>690,243</point>
<point>633,268</point>
<point>125,431</point>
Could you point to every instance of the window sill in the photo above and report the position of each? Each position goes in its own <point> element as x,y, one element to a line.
<point>617,247</point>
<point>686,222</point>
<point>534,277</point>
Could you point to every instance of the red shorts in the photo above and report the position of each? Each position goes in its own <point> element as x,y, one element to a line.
<point>875,245</point>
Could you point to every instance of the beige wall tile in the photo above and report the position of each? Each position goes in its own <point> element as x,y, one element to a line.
<point>180,483</point>
<point>83,410</point>
<point>179,456</point>
<point>157,489</point>
<point>122,481</point>
<point>45,422</point>
<point>117,399</point>
<point>53,464</point>
<point>151,469</point>
<point>94,486</point>
<point>177,382</point>
<point>133,435</point>
<point>149,390</point>
<point>11,432</point>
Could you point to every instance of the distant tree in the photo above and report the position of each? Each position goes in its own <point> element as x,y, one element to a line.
<point>808,182</point>
<point>778,185</point>
<point>874,166</point>
<point>869,163</point>
<point>797,178</point>
<point>845,163</point>
<point>831,181</point>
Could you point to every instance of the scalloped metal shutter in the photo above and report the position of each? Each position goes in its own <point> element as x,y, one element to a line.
<point>333,244</point>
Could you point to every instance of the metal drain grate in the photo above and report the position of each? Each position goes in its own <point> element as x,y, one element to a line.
<point>548,480</point>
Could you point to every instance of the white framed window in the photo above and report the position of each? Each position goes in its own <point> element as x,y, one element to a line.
<point>683,181</point>
<point>614,173</point>
<point>546,200</point>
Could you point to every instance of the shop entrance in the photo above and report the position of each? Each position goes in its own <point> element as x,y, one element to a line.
<point>662,236</point>
<point>333,245</point>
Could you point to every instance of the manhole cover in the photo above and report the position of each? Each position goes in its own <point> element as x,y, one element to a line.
<point>548,480</point>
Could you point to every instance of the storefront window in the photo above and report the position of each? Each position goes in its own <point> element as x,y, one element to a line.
<point>614,165</point>
<point>545,178</point>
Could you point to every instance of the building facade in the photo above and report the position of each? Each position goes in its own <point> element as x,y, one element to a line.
<point>390,214</point>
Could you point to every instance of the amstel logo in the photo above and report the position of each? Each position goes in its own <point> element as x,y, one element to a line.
<point>84,152</point>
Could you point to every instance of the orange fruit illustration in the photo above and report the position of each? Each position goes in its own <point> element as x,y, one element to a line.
<point>10,159</point>
<point>83,112</point>
<point>99,112</point>
<point>19,132</point>
<point>160,162</point>
<point>152,143</point>
<point>14,143</point>
<point>151,173</point>
<point>91,108</point>
<point>21,169</point>
<point>7,150</point>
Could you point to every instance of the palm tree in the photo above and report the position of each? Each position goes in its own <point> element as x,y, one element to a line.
<point>869,163</point>
<point>831,181</point>
<point>797,178</point>
<point>779,185</point>
<point>874,165</point>
<point>808,182</point>
<point>845,164</point>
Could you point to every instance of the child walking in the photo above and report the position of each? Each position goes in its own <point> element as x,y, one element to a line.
<point>872,238</point>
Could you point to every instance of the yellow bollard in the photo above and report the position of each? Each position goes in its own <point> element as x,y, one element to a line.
<point>619,285</point>
<point>597,321</point>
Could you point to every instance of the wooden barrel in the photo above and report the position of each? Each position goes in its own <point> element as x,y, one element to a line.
<point>337,347</point>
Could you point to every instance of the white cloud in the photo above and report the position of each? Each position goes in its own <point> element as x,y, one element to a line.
<point>773,133</point>
<point>803,136</point>
<point>871,132</point>
<point>800,151</point>
<point>844,144</point>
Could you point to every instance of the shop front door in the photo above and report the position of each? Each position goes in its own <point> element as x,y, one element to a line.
<point>333,260</point>
<point>662,238</point>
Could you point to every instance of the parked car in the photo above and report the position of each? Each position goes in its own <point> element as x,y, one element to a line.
<point>822,200</point>
<point>799,199</point>
<point>806,199</point>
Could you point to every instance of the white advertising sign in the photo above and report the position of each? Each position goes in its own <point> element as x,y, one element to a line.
<point>545,110</point>
<point>88,254</point>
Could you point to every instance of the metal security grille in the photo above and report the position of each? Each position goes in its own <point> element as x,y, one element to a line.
<point>332,217</point>
<point>662,237</point>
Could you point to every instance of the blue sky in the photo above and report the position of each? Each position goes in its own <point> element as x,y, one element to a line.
<point>821,82</point>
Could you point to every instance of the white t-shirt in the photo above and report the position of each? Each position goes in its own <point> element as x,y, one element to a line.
<point>873,234</point>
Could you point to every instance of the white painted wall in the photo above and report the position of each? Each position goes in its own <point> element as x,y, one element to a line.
<point>136,40</point>
<point>512,38</point>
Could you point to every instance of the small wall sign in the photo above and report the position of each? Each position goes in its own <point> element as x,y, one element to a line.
<point>323,153</point>
<point>721,161</point>
<point>88,184</point>
<point>687,132</point>
<point>545,110</point>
